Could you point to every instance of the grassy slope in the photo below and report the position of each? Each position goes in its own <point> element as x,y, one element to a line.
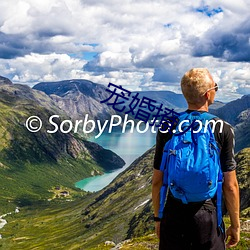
<point>27,168</point>
<point>56,225</point>
<point>150,242</point>
<point>60,225</point>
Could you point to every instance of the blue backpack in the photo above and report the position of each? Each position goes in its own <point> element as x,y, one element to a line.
<point>191,162</point>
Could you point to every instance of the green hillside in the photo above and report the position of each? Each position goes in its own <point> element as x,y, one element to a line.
<point>88,221</point>
<point>31,164</point>
<point>123,210</point>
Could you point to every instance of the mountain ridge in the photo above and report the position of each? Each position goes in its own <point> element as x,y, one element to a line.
<point>68,95</point>
<point>237,113</point>
<point>230,111</point>
<point>58,159</point>
<point>4,80</point>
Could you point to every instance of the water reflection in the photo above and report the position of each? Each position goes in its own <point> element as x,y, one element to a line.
<point>128,146</point>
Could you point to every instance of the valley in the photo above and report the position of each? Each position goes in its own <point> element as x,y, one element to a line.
<point>38,172</point>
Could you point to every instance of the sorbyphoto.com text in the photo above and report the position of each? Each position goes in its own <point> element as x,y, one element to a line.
<point>124,124</point>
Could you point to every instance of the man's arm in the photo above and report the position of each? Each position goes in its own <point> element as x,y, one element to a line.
<point>156,187</point>
<point>157,178</point>
<point>231,195</point>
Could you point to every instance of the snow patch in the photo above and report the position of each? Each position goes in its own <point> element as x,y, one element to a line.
<point>2,223</point>
<point>143,186</point>
<point>142,204</point>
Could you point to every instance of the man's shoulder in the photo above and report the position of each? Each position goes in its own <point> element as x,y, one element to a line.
<point>223,126</point>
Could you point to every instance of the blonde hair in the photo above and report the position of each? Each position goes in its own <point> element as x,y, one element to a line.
<point>195,83</point>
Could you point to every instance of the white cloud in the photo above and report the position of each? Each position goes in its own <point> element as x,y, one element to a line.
<point>141,44</point>
<point>35,68</point>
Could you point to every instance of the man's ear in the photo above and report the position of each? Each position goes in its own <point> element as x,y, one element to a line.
<point>207,95</point>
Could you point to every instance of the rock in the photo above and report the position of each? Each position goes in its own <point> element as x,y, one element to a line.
<point>109,243</point>
<point>4,80</point>
<point>79,97</point>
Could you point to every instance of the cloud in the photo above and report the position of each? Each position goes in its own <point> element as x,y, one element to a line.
<point>231,45</point>
<point>34,68</point>
<point>142,44</point>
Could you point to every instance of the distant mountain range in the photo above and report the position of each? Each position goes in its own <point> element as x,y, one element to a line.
<point>79,97</point>
<point>237,113</point>
<point>167,98</point>
<point>231,111</point>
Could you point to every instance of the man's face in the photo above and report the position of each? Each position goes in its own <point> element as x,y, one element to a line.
<point>211,93</point>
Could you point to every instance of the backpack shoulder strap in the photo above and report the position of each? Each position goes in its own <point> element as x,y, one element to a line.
<point>208,116</point>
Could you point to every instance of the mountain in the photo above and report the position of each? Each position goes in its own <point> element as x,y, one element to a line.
<point>232,110</point>
<point>121,211</point>
<point>124,208</point>
<point>243,174</point>
<point>172,100</point>
<point>237,113</point>
<point>242,130</point>
<point>32,163</point>
<point>4,80</point>
<point>78,98</point>
<point>106,215</point>
<point>216,105</point>
<point>167,98</point>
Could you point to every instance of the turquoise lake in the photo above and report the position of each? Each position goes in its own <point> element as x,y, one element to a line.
<point>129,146</point>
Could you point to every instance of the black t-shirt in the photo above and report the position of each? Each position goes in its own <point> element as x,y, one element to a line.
<point>225,141</point>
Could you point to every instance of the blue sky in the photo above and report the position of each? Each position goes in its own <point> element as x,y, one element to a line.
<point>142,45</point>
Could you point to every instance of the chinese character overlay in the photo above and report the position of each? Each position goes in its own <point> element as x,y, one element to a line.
<point>145,109</point>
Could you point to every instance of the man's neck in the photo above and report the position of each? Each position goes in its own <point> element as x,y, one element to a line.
<point>198,107</point>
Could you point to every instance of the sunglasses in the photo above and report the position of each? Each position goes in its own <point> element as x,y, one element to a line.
<point>216,87</point>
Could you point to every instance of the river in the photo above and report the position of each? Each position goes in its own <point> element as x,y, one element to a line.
<point>129,146</point>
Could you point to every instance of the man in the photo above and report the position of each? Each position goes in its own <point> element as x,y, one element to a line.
<point>194,225</point>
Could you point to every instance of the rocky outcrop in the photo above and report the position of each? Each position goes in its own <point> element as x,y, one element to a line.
<point>243,175</point>
<point>106,158</point>
<point>242,130</point>
<point>237,114</point>
<point>4,80</point>
<point>78,98</point>
<point>232,110</point>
